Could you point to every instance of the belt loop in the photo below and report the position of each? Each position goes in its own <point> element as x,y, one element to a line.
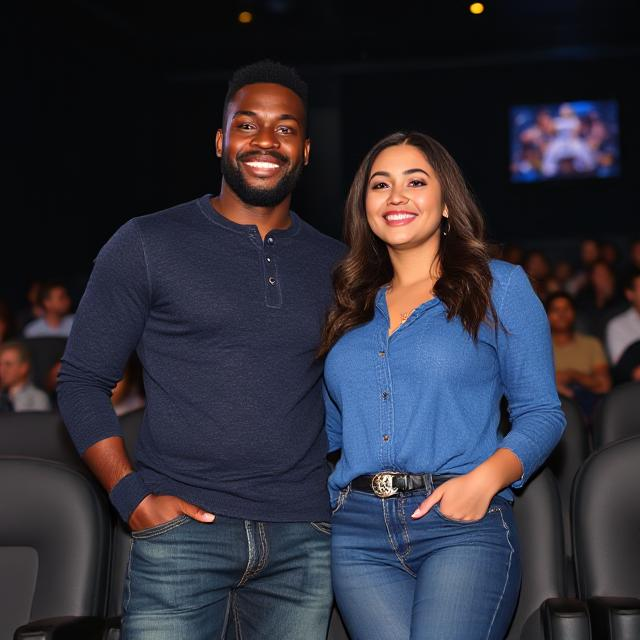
<point>428,483</point>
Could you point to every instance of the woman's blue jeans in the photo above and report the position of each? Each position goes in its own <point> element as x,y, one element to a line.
<point>232,578</point>
<point>395,578</point>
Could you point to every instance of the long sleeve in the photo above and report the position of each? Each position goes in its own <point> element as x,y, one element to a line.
<point>615,339</point>
<point>333,421</point>
<point>526,367</point>
<point>107,327</point>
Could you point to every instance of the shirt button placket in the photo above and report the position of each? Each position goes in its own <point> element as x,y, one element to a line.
<point>272,284</point>
<point>387,409</point>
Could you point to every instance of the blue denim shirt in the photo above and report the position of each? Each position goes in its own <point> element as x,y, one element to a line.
<point>426,398</point>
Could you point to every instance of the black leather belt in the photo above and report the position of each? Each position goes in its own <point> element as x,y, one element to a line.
<point>387,483</point>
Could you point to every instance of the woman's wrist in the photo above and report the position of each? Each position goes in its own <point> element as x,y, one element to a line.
<point>499,471</point>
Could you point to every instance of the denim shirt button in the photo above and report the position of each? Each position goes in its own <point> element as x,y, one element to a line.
<point>385,395</point>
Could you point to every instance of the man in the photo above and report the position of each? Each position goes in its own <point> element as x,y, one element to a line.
<point>624,329</point>
<point>16,391</point>
<point>55,303</point>
<point>224,299</point>
<point>582,370</point>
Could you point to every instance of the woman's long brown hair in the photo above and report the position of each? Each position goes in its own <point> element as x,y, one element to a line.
<point>464,285</point>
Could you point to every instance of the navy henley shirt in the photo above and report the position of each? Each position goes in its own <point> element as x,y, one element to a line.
<point>226,326</point>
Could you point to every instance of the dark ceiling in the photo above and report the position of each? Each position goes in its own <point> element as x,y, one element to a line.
<point>191,37</point>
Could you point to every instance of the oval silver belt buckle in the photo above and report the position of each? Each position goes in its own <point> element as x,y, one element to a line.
<point>382,484</point>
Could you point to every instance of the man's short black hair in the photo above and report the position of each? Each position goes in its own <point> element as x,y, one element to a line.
<point>557,295</point>
<point>267,71</point>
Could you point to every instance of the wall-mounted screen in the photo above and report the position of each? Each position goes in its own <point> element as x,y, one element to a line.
<point>564,140</point>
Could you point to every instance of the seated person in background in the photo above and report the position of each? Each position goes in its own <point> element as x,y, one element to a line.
<point>627,369</point>
<point>599,301</point>
<point>582,371</point>
<point>56,319</point>
<point>624,329</point>
<point>6,322</point>
<point>19,394</point>
<point>634,255</point>
<point>128,394</point>
<point>33,310</point>
<point>589,253</point>
<point>538,269</point>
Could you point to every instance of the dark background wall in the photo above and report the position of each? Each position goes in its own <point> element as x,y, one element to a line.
<point>109,109</point>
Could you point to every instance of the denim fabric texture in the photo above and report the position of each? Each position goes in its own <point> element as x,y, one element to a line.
<point>426,398</point>
<point>434,578</point>
<point>232,579</point>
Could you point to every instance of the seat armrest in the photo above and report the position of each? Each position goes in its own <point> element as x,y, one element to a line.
<point>565,619</point>
<point>64,628</point>
<point>615,618</point>
<point>112,628</point>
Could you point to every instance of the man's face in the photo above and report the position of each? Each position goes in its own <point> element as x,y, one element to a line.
<point>57,301</point>
<point>561,315</point>
<point>12,370</point>
<point>263,145</point>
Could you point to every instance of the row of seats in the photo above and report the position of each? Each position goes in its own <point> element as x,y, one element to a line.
<point>81,547</point>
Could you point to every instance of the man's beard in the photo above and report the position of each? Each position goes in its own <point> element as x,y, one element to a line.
<point>256,196</point>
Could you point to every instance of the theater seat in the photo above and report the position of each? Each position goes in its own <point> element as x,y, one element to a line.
<point>39,434</point>
<point>606,538</point>
<point>618,416</point>
<point>544,610</point>
<point>564,463</point>
<point>54,551</point>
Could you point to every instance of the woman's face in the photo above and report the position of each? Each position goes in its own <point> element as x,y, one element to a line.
<point>403,199</point>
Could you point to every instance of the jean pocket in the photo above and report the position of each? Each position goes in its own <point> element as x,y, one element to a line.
<point>342,498</point>
<point>159,529</point>
<point>322,527</point>
<point>492,509</point>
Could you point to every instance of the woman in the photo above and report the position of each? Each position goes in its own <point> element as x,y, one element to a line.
<point>425,337</point>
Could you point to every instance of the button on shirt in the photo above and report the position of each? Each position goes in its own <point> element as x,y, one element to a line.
<point>228,341</point>
<point>426,398</point>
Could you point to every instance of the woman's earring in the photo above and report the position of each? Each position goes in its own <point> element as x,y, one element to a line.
<point>446,228</point>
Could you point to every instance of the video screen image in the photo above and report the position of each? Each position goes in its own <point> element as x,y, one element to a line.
<point>564,140</point>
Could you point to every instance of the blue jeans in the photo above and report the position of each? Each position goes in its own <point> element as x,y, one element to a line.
<point>229,579</point>
<point>434,578</point>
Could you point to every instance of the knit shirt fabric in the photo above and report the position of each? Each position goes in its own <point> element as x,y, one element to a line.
<point>226,326</point>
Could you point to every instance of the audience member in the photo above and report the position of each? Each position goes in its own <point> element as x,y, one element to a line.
<point>128,394</point>
<point>624,329</point>
<point>6,322</point>
<point>19,394</point>
<point>589,253</point>
<point>562,274</point>
<point>56,319</point>
<point>627,369</point>
<point>599,301</point>
<point>634,255</point>
<point>537,268</point>
<point>33,311</point>
<point>582,371</point>
<point>609,253</point>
